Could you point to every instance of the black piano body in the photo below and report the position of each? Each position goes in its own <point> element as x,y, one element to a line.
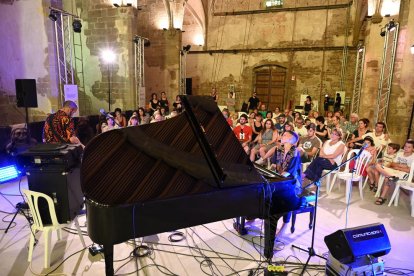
<point>186,171</point>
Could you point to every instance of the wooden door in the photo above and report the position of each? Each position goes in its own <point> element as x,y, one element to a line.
<point>270,86</point>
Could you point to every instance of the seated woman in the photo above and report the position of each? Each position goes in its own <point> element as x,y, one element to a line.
<point>356,140</point>
<point>266,139</point>
<point>329,156</point>
<point>120,118</point>
<point>398,169</point>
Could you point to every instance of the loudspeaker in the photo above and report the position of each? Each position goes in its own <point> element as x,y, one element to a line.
<point>189,86</point>
<point>62,185</point>
<point>347,245</point>
<point>26,93</point>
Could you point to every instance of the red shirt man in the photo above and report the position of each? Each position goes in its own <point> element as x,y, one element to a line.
<point>243,132</point>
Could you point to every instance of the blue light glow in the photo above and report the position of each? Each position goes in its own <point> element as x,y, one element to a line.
<point>8,173</point>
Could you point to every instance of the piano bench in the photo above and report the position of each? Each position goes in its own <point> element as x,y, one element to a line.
<point>307,208</point>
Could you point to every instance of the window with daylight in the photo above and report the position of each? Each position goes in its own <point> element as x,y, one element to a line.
<point>273,3</point>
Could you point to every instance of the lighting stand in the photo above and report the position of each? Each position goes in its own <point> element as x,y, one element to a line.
<point>311,249</point>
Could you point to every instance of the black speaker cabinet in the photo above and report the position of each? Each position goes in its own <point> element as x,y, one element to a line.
<point>189,86</point>
<point>26,93</point>
<point>62,186</point>
<point>347,245</point>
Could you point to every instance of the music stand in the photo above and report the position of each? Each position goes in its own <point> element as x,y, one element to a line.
<point>311,249</point>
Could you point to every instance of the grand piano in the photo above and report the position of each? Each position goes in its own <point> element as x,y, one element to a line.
<point>185,171</point>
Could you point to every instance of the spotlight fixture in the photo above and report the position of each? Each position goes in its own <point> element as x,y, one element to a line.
<point>187,48</point>
<point>382,33</point>
<point>77,25</point>
<point>53,15</point>
<point>136,39</point>
<point>391,25</point>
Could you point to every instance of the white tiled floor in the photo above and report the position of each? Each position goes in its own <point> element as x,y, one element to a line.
<point>212,249</point>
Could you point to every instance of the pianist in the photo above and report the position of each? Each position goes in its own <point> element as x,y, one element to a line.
<point>286,160</point>
<point>59,127</point>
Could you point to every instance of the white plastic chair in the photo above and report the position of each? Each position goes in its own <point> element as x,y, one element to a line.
<point>360,164</point>
<point>329,182</point>
<point>32,199</point>
<point>407,185</point>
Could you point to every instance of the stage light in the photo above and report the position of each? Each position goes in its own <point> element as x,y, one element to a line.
<point>187,48</point>
<point>391,25</point>
<point>108,56</point>
<point>7,173</point>
<point>382,33</point>
<point>53,15</point>
<point>77,25</point>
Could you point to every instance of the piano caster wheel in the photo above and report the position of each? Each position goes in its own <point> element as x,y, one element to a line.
<point>310,225</point>
<point>292,230</point>
<point>241,230</point>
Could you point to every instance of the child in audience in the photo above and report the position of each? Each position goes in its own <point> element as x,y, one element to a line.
<point>398,169</point>
<point>389,156</point>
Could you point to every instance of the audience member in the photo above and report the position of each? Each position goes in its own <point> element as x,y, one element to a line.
<point>143,117</point>
<point>387,159</point>
<point>164,103</point>
<point>309,145</point>
<point>398,169</point>
<point>20,140</point>
<point>243,132</point>
<point>266,139</point>
<point>120,118</point>
<point>321,129</point>
<point>154,103</point>
<point>300,129</point>
<point>214,94</point>
<point>308,105</point>
<point>177,104</point>
<point>280,126</point>
<point>257,126</point>
<point>254,102</point>
<point>356,139</point>
<point>133,121</point>
<point>351,125</point>
<point>329,156</point>
<point>226,115</point>
<point>379,135</point>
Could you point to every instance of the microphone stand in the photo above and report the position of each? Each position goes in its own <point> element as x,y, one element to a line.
<point>317,183</point>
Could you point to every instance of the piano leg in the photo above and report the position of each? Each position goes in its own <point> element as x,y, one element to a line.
<point>109,259</point>
<point>270,235</point>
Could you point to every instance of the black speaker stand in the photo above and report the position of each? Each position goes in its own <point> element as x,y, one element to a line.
<point>19,210</point>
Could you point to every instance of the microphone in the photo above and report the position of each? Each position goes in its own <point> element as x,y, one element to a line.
<point>108,115</point>
<point>364,146</point>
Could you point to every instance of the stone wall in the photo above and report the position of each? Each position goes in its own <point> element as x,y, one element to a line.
<point>308,42</point>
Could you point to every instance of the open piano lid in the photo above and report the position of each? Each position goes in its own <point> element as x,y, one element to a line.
<point>195,152</point>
